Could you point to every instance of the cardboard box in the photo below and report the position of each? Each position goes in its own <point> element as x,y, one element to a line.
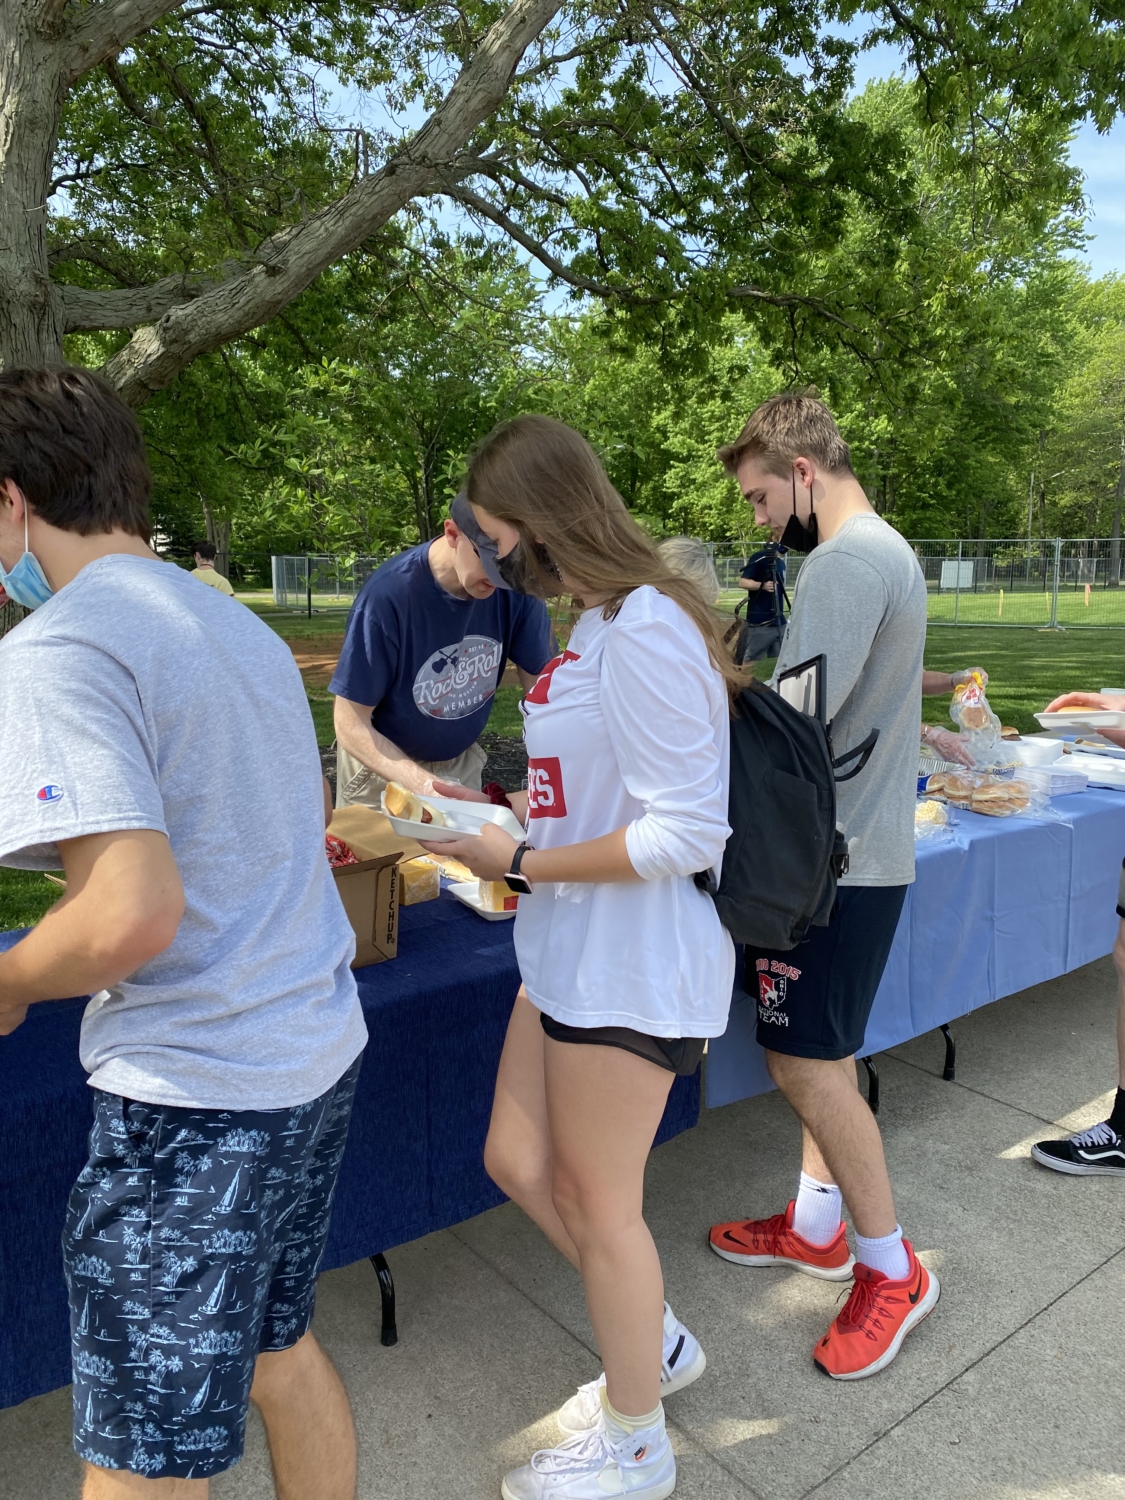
<point>369,890</point>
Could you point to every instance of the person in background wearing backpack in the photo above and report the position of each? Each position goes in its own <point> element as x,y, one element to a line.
<point>861,601</point>
<point>626,968</point>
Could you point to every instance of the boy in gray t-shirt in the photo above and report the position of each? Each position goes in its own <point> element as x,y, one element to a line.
<point>860,601</point>
<point>156,742</point>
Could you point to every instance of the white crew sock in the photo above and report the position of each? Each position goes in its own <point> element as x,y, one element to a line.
<point>887,1254</point>
<point>621,1427</point>
<point>816,1217</point>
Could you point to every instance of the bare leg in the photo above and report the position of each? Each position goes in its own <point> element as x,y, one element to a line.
<point>119,1484</point>
<point>837,1118</point>
<point>603,1108</point>
<point>812,1159</point>
<point>1119,964</point>
<point>517,1154</point>
<point>308,1423</point>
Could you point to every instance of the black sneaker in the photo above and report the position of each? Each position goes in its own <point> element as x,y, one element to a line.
<point>1099,1151</point>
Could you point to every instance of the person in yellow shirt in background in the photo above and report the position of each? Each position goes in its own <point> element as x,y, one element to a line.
<point>205,569</point>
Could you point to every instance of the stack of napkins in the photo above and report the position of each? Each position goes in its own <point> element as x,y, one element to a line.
<point>1055,781</point>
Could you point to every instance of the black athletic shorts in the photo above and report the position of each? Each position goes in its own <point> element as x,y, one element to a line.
<point>814,999</point>
<point>675,1054</point>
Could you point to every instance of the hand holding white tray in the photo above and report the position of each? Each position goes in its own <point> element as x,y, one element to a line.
<point>464,821</point>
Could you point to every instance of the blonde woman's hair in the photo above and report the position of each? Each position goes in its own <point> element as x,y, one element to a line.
<point>543,478</point>
<point>692,558</point>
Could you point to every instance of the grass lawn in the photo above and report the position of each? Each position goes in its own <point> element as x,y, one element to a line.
<point>1026,668</point>
<point>24,896</point>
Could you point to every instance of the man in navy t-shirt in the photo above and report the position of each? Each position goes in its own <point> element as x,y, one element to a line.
<point>426,645</point>
<point>763,578</point>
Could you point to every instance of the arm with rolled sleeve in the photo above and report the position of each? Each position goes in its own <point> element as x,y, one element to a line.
<point>658,699</point>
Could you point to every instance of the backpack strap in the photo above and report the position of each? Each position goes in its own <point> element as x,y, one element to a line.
<point>862,750</point>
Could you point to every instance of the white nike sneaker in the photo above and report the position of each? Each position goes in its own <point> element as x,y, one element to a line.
<point>684,1361</point>
<point>591,1466</point>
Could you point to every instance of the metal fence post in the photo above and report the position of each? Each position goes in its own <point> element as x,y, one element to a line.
<point>308,585</point>
<point>957,586</point>
<point>1054,625</point>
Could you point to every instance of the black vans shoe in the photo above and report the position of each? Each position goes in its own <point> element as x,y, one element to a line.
<point>1099,1151</point>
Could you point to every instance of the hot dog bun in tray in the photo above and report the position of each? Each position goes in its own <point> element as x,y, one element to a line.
<point>440,820</point>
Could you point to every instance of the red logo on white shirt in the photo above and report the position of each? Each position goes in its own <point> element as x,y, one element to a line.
<point>545,798</point>
<point>542,686</point>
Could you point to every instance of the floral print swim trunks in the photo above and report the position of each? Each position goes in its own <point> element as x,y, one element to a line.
<point>192,1244</point>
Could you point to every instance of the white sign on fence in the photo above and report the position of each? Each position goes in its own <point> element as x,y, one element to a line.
<point>957,574</point>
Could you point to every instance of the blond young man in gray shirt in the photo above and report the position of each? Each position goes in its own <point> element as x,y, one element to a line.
<point>860,601</point>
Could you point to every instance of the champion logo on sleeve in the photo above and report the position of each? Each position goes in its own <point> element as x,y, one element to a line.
<point>50,792</point>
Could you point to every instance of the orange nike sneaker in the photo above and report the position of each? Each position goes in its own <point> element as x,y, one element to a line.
<point>774,1242</point>
<point>877,1316</point>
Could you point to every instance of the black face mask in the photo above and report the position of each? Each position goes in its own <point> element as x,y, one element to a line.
<point>520,576</point>
<point>800,536</point>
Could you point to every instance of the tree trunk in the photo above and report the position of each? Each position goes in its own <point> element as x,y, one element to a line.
<point>218,532</point>
<point>32,88</point>
<point>1115,533</point>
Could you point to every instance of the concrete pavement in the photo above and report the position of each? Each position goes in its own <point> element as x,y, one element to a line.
<point>1013,1390</point>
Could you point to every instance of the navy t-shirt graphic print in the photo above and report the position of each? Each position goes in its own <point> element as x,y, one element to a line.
<point>459,678</point>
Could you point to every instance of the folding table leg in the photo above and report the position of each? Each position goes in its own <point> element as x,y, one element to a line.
<point>949,1072</point>
<point>388,1334</point>
<point>872,1083</point>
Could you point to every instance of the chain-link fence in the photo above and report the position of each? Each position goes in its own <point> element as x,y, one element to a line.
<point>322,583</point>
<point>1051,583</point>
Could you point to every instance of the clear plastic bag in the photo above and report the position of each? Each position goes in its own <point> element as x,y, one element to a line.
<point>993,796</point>
<point>979,726</point>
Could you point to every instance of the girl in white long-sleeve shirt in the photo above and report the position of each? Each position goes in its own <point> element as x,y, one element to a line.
<point>626,968</point>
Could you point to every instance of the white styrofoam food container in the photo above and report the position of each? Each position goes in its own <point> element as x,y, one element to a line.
<point>468,891</point>
<point>1039,751</point>
<point>466,820</point>
<point>1076,720</point>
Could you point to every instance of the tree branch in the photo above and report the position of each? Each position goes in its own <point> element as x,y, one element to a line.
<point>93,309</point>
<point>106,29</point>
<point>479,205</point>
<point>288,262</point>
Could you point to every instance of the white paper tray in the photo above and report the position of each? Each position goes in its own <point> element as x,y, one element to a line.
<point>468,816</point>
<point>468,891</point>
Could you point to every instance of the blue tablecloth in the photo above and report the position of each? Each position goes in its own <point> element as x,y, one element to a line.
<point>1005,903</point>
<point>436,1015</point>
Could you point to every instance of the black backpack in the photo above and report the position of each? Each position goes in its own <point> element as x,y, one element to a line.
<point>785,853</point>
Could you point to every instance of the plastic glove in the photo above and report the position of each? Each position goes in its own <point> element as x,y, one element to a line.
<point>946,745</point>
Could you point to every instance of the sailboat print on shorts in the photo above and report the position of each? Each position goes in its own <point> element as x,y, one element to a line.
<point>226,1203</point>
<point>215,1300</point>
<point>199,1400</point>
<point>84,1320</point>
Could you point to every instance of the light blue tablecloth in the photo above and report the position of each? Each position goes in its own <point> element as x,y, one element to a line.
<point>1004,904</point>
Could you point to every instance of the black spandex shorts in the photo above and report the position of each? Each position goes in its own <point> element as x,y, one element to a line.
<point>680,1054</point>
<point>814,999</point>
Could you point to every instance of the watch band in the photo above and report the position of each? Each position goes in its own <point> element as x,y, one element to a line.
<point>517,860</point>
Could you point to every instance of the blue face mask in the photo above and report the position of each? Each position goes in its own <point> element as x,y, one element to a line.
<point>27,583</point>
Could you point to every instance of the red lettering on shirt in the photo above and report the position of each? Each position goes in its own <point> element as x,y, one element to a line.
<point>545,797</point>
<point>542,686</point>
